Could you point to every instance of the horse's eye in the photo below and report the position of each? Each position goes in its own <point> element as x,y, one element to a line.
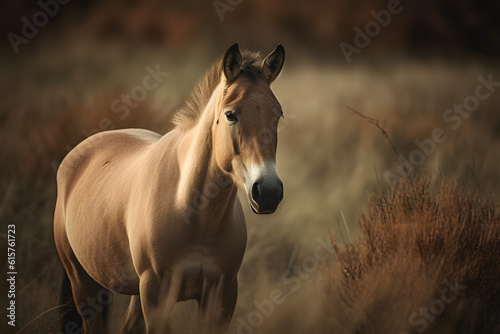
<point>230,116</point>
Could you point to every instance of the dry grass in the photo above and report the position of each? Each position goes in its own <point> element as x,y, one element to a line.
<point>415,243</point>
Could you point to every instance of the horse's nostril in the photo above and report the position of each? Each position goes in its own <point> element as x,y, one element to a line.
<point>256,195</point>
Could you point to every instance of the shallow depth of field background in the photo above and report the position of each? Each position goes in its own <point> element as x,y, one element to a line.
<point>61,84</point>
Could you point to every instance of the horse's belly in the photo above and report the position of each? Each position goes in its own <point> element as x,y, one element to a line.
<point>105,257</point>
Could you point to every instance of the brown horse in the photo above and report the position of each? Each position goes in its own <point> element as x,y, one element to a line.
<point>158,217</point>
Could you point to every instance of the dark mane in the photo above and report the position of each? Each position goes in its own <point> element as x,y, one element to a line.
<point>194,105</point>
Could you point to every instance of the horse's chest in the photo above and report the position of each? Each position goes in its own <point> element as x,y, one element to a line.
<point>213,254</point>
<point>200,253</point>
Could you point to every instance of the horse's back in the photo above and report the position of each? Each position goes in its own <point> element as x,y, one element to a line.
<point>106,147</point>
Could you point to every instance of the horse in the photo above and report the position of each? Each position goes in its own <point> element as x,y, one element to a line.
<point>158,217</point>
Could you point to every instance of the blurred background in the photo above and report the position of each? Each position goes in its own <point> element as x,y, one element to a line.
<point>406,64</point>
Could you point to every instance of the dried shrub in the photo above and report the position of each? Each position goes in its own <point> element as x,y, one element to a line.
<point>427,260</point>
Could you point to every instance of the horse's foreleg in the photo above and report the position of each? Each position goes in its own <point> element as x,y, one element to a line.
<point>134,320</point>
<point>158,298</point>
<point>217,306</point>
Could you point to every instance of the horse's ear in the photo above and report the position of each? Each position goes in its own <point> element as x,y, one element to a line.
<point>232,62</point>
<point>273,63</point>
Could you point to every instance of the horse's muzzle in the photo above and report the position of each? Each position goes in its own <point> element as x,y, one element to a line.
<point>266,194</point>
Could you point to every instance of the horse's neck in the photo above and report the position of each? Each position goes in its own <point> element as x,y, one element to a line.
<point>204,190</point>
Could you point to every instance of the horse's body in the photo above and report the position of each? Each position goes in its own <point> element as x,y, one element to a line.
<point>158,217</point>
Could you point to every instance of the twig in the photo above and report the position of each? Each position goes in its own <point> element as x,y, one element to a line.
<point>340,230</point>
<point>26,286</point>
<point>376,123</point>
<point>346,227</point>
<point>380,187</point>
<point>476,180</point>
<point>40,315</point>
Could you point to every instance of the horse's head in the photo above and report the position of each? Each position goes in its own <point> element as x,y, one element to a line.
<point>245,126</point>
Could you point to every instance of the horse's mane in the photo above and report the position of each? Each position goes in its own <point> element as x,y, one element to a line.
<point>186,116</point>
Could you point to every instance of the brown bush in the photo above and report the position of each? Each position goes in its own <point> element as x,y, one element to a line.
<point>426,261</point>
